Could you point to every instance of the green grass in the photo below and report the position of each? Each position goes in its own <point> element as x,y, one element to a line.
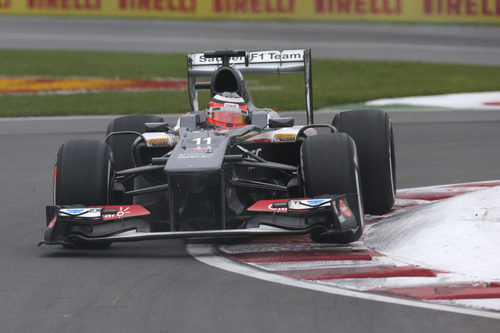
<point>334,81</point>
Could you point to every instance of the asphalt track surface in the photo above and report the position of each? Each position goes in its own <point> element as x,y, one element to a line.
<point>429,43</point>
<point>157,287</point>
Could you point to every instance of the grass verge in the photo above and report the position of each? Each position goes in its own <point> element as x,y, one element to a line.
<point>334,81</point>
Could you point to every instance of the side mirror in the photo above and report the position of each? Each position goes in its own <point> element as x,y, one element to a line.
<point>281,122</point>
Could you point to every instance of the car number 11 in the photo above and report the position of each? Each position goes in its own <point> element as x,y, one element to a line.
<point>207,141</point>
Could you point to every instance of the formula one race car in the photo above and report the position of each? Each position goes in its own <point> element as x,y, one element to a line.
<point>230,170</point>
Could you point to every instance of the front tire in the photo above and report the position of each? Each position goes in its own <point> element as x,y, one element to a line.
<point>82,177</point>
<point>329,166</point>
<point>372,132</point>
<point>83,173</point>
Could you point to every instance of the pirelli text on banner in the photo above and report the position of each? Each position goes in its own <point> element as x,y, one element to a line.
<point>183,6</point>
<point>387,7</point>
<point>457,11</point>
<point>4,4</point>
<point>68,5</point>
<point>486,8</point>
<point>480,11</point>
<point>255,6</point>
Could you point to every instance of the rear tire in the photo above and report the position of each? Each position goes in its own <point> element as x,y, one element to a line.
<point>82,177</point>
<point>329,166</point>
<point>372,132</point>
<point>121,145</point>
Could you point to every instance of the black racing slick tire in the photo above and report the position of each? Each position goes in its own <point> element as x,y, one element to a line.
<point>83,173</point>
<point>82,176</point>
<point>372,132</point>
<point>329,166</point>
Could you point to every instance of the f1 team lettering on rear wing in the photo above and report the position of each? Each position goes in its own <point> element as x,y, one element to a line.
<point>255,57</point>
<point>259,62</point>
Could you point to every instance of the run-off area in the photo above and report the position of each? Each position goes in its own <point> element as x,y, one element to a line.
<point>438,248</point>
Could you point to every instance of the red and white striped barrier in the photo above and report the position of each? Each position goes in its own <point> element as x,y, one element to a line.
<point>401,255</point>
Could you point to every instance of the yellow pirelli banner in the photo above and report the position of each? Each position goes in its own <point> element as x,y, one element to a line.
<point>456,11</point>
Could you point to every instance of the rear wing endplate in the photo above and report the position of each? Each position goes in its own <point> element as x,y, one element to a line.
<point>256,62</point>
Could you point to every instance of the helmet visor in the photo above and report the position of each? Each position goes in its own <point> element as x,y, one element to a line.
<point>228,117</point>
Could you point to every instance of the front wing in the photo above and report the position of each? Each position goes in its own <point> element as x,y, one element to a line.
<point>70,225</point>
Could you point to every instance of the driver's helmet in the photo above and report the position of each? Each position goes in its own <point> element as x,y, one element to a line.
<point>227,110</point>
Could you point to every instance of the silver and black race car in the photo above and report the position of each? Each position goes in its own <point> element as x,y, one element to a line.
<point>230,170</point>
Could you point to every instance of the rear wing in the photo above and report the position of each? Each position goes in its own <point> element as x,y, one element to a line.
<point>256,62</point>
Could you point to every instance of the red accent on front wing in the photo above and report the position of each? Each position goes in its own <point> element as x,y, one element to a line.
<point>266,205</point>
<point>125,212</point>
<point>52,223</point>
<point>344,209</point>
